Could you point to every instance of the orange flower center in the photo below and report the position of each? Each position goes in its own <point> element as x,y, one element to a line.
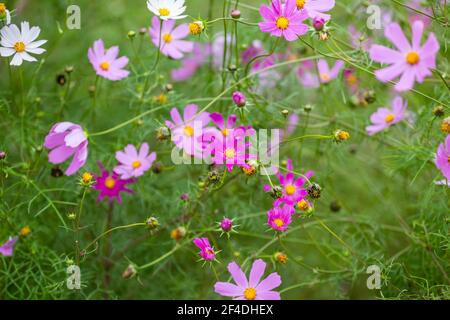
<point>250,294</point>
<point>325,77</point>
<point>2,8</point>
<point>19,47</point>
<point>225,132</point>
<point>167,38</point>
<point>86,177</point>
<point>189,131</point>
<point>136,164</point>
<point>229,153</point>
<point>110,183</point>
<point>278,222</point>
<point>290,189</point>
<point>303,205</point>
<point>104,65</point>
<point>301,4</point>
<point>282,23</point>
<point>164,12</point>
<point>412,58</point>
<point>389,118</point>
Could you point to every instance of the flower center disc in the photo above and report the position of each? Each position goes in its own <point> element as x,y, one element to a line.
<point>282,23</point>
<point>167,38</point>
<point>189,131</point>
<point>136,164</point>
<point>2,8</point>
<point>325,77</point>
<point>250,294</point>
<point>19,47</point>
<point>110,183</point>
<point>225,132</point>
<point>278,222</point>
<point>389,118</point>
<point>303,205</point>
<point>164,12</point>
<point>229,153</point>
<point>412,58</point>
<point>300,4</point>
<point>290,189</point>
<point>104,65</point>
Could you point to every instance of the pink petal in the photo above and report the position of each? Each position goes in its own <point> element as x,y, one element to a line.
<point>228,289</point>
<point>256,273</point>
<point>238,275</point>
<point>271,282</point>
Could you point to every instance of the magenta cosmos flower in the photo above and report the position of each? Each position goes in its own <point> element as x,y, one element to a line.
<point>187,132</point>
<point>253,288</point>
<point>171,43</point>
<point>132,162</point>
<point>226,224</point>
<point>206,251</point>
<point>106,62</point>
<point>292,188</point>
<point>219,121</point>
<point>411,60</point>
<point>7,248</point>
<point>67,139</point>
<point>442,159</point>
<point>279,218</point>
<point>316,8</point>
<point>283,20</point>
<point>383,118</point>
<point>110,185</point>
<point>231,150</point>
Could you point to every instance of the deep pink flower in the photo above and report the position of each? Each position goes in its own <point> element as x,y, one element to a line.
<point>279,218</point>
<point>316,8</point>
<point>206,251</point>
<point>171,42</point>
<point>253,288</point>
<point>7,249</point>
<point>292,188</point>
<point>412,61</point>
<point>219,121</point>
<point>239,99</point>
<point>105,62</point>
<point>231,150</point>
<point>64,140</point>
<point>283,20</point>
<point>383,118</point>
<point>132,162</point>
<point>110,185</point>
<point>187,132</point>
<point>442,159</point>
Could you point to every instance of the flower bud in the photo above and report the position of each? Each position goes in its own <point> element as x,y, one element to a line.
<point>308,108</point>
<point>304,206</point>
<point>276,192</point>
<point>439,111</point>
<point>341,135</point>
<point>445,125</point>
<point>69,69</point>
<point>3,155</point>
<point>280,257</point>
<point>196,28</point>
<point>184,197</point>
<point>285,112</point>
<point>178,233</point>
<point>142,31</point>
<point>324,35</point>
<point>86,179</point>
<point>239,99</point>
<point>213,176</point>
<point>318,23</point>
<point>169,87</point>
<point>152,223</point>
<point>131,34</point>
<point>163,133</point>
<point>235,14</point>
<point>25,231</point>
<point>129,272</point>
<point>226,225</point>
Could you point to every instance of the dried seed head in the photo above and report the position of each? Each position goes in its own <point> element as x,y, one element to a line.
<point>314,191</point>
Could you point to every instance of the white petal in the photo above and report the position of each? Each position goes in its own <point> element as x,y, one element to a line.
<point>31,35</point>
<point>75,138</point>
<point>17,60</point>
<point>7,52</point>
<point>25,56</point>
<point>35,44</point>
<point>36,50</point>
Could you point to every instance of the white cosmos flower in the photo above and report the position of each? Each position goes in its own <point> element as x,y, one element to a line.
<point>167,9</point>
<point>20,43</point>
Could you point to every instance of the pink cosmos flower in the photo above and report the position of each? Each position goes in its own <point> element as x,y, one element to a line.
<point>110,185</point>
<point>356,37</point>
<point>7,248</point>
<point>219,121</point>
<point>105,62</point>
<point>232,150</point>
<point>412,61</point>
<point>383,118</point>
<point>325,74</point>
<point>253,288</point>
<point>306,74</point>
<point>187,132</point>
<point>442,159</point>
<point>292,188</point>
<point>171,42</point>
<point>415,16</point>
<point>192,63</point>
<point>283,20</point>
<point>316,8</point>
<point>279,218</point>
<point>132,162</point>
<point>206,251</point>
<point>64,140</point>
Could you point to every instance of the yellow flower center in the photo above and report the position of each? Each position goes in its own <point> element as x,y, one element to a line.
<point>164,12</point>
<point>136,164</point>
<point>412,58</point>
<point>389,118</point>
<point>352,79</point>
<point>195,29</point>
<point>161,99</point>
<point>19,47</point>
<point>104,65</point>
<point>290,189</point>
<point>303,205</point>
<point>189,131</point>
<point>282,23</point>
<point>278,222</point>
<point>2,8</point>
<point>342,135</point>
<point>301,4</point>
<point>250,294</point>
<point>445,127</point>
<point>229,153</point>
<point>25,231</point>
<point>167,38</point>
<point>86,177</point>
<point>225,132</point>
<point>110,183</point>
<point>325,77</point>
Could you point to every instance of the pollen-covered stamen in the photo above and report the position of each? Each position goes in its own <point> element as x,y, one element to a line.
<point>110,183</point>
<point>167,38</point>
<point>250,294</point>
<point>229,153</point>
<point>412,58</point>
<point>448,159</point>
<point>278,222</point>
<point>225,132</point>
<point>104,65</point>
<point>164,12</point>
<point>325,77</point>
<point>290,189</point>
<point>301,4</point>
<point>303,205</point>
<point>2,8</point>
<point>282,23</point>
<point>188,131</point>
<point>136,164</point>
<point>19,46</point>
<point>389,118</point>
